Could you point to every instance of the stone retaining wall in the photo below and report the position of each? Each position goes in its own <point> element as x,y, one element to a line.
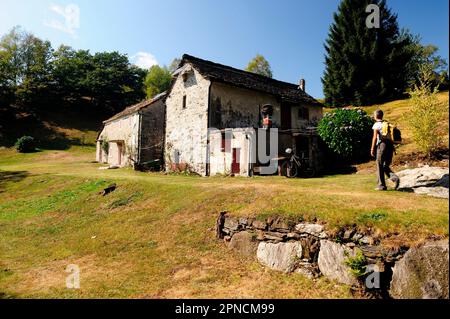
<point>351,258</point>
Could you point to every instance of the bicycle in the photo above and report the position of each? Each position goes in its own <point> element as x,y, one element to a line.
<point>296,165</point>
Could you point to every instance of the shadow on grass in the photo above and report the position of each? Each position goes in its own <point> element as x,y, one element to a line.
<point>11,176</point>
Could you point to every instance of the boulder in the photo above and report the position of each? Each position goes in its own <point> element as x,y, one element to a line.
<point>244,242</point>
<point>422,273</point>
<point>280,256</point>
<point>331,262</point>
<point>428,180</point>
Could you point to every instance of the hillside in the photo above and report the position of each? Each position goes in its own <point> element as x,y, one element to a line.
<point>153,237</point>
<point>407,153</point>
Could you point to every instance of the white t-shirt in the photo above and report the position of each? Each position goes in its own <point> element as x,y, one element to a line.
<point>378,126</point>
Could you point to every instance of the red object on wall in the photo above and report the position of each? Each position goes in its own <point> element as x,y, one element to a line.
<point>235,167</point>
<point>267,122</point>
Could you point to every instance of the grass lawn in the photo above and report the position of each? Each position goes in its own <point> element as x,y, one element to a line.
<point>153,237</point>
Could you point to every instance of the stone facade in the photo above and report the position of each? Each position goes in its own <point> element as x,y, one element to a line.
<point>187,122</point>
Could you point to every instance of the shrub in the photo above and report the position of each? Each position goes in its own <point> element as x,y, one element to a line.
<point>105,146</point>
<point>426,115</point>
<point>25,144</point>
<point>347,132</point>
<point>357,264</point>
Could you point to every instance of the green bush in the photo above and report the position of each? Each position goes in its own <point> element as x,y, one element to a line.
<point>25,144</point>
<point>347,132</point>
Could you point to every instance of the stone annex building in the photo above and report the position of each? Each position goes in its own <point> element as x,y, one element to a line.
<point>208,120</point>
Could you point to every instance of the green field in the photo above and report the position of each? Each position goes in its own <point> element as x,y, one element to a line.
<point>153,237</point>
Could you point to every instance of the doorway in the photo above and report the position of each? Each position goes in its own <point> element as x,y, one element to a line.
<point>235,164</point>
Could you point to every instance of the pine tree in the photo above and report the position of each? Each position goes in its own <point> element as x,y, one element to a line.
<point>365,65</point>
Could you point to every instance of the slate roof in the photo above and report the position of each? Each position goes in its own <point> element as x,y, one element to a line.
<point>135,108</point>
<point>226,74</point>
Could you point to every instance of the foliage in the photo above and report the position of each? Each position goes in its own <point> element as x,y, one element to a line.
<point>357,264</point>
<point>426,111</point>
<point>259,65</point>
<point>25,144</point>
<point>157,80</point>
<point>365,66</point>
<point>427,55</point>
<point>347,132</point>
<point>34,76</point>
<point>174,65</point>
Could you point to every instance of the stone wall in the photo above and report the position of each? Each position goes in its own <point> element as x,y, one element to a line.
<point>186,127</point>
<point>233,107</point>
<point>348,257</point>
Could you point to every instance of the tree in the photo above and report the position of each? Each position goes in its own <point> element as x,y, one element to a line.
<point>426,56</point>
<point>25,69</point>
<point>365,65</point>
<point>174,65</point>
<point>259,65</point>
<point>157,80</point>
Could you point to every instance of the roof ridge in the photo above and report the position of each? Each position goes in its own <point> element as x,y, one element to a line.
<point>281,84</point>
<point>135,107</point>
<point>190,57</point>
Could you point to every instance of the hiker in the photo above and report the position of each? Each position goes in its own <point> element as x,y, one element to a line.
<point>383,150</point>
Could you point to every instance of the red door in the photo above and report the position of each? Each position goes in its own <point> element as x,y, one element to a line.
<point>235,167</point>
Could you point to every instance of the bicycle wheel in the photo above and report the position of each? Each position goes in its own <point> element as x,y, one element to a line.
<point>290,169</point>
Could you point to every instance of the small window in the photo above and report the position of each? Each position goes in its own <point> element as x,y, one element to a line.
<point>184,101</point>
<point>303,113</point>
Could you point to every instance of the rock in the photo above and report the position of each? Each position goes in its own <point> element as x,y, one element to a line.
<point>367,240</point>
<point>311,229</point>
<point>272,238</point>
<point>109,189</point>
<point>422,273</point>
<point>308,270</point>
<point>279,256</point>
<point>244,242</point>
<point>332,262</point>
<point>293,236</point>
<point>428,180</point>
<point>310,247</point>
<point>231,224</point>
<point>259,224</point>
<point>280,226</point>
<point>219,224</point>
<point>348,234</point>
<point>243,221</point>
<point>440,192</point>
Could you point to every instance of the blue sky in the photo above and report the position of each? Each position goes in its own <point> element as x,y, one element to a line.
<point>290,34</point>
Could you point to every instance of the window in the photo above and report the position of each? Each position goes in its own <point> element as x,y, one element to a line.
<point>303,113</point>
<point>184,101</point>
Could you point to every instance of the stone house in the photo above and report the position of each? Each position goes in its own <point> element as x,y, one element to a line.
<point>209,122</point>
<point>206,95</point>
<point>134,136</point>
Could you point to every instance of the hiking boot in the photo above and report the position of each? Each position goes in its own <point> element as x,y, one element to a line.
<point>396,181</point>
<point>381,188</point>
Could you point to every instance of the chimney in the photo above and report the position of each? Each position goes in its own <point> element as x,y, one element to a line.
<point>301,85</point>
